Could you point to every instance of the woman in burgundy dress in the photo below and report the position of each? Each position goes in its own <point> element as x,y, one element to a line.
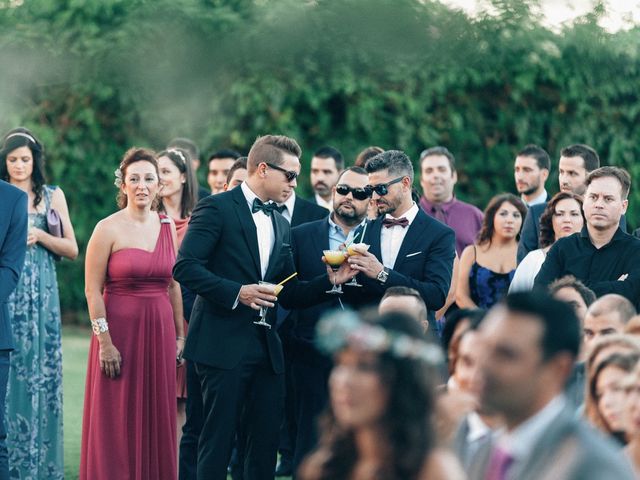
<point>129,421</point>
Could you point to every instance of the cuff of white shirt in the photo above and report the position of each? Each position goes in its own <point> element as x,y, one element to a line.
<point>235,304</point>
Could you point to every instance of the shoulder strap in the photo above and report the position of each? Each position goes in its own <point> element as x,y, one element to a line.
<point>47,190</point>
<point>475,253</point>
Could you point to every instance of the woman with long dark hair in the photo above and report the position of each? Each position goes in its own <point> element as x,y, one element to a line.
<point>487,267</point>
<point>34,394</point>
<point>379,424</point>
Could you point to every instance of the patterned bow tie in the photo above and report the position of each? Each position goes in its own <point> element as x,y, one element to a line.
<point>392,222</point>
<point>267,208</point>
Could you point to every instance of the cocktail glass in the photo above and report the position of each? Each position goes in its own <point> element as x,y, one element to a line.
<point>335,258</point>
<point>263,310</point>
<point>353,250</point>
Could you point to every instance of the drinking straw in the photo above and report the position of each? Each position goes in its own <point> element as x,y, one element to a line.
<point>287,279</point>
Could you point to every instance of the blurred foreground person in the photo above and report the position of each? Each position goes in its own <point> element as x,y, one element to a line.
<point>631,418</point>
<point>531,342</point>
<point>34,391</point>
<point>129,420</point>
<point>405,300</point>
<point>382,402</point>
<point>605,394</point>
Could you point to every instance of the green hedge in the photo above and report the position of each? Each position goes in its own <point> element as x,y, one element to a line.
<point>94,77</point>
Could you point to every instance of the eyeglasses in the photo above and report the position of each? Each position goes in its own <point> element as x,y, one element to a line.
<point>358,193</point>
<point>289,174</point>
<point>383,188</point>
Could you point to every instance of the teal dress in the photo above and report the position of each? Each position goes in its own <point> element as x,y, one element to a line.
<point>34,392</point>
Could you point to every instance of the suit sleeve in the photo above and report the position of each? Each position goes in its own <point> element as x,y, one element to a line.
<point>436,274</point>
<point>201,239</point>
<point>301,294</point>
<point>528,236</point>
<point>14,248</point>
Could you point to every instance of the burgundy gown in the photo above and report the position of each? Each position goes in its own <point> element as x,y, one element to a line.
<point>129,423</point>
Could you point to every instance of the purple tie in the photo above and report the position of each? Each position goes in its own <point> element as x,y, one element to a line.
<point>500,462</point>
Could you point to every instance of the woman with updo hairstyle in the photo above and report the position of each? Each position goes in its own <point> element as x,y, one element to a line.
<point>135,308</point>
<point>178,197</point>
<point>379,424</point>
<point>561,217</point>
<point>487,267</point>
<point>34,390</point>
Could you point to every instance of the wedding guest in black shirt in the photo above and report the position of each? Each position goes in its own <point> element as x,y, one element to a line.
<point>602,256</point>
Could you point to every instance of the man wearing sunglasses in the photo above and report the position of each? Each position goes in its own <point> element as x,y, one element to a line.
<point>407,247</point>
<point>310,369</point>
<point>236,239</point>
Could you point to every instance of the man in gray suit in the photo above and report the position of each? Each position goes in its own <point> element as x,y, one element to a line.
<point>531,342</point>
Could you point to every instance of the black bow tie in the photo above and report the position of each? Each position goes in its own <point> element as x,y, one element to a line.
<point>267,208</point>
<point>392,222</point>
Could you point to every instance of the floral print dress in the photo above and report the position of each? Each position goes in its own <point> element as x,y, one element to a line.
<point>34,393</point>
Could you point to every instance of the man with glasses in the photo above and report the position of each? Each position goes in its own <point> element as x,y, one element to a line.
<point>407,247</point>
<point>438,178</point>
<point>236,240</point>
<point>310,369</point>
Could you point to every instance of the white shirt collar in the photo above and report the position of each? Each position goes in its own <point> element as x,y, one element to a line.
<point>537,200</point>
<point>291,201</point>
<point>520,441</point>
<point>248,194</point>
<point>409,214</point>
<point>321,201</point>
<point>477,428</point>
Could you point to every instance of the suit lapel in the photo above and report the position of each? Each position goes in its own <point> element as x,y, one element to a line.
<point>413,236</point>
<point>372,237</point>
<point>321,240</point>
<point>248,227</point>
<point>297,211</point>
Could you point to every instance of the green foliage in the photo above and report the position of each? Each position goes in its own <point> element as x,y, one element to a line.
<point>94,77</point>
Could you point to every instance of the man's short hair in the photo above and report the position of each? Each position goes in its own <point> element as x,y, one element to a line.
<point>269,149</point>
<point>433,151</point>
<point>400,291</point>
<point>589,155</point>
<point>224,153</point>
<point>330,152</point>
<point>187,145</point>
<point>569,281</point>
<point>613,303</point>
<point>618,173</point>
<point>561,327</point>
<point>239,164</point>
<point>396,161</point>
<point>539,153</point>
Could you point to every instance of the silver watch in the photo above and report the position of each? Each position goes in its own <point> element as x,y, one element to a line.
<point>383,276</point>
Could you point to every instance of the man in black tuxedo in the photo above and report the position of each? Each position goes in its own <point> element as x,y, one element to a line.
<point>310,368</point>
<point>407,247</point>
<point>236,239</point>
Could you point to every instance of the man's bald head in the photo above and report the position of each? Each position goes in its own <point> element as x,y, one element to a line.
<point>608,314</point>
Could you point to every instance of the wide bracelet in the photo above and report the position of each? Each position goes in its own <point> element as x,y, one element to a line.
<point>99,325</point>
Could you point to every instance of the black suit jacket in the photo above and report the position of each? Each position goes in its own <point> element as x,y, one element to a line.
<point>13,247</point>
<point>305,211</point>
<point>219,254</point>
<point>308,242</point>
<point>424,262</point>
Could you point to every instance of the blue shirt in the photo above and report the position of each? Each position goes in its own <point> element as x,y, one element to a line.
<point>337,236</point>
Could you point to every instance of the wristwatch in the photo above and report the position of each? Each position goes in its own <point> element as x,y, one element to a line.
<point>383,276</point>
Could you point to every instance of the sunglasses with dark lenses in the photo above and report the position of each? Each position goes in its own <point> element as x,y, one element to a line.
<point>289,174</point>
<point>383,188</point>
<point>358,193</point>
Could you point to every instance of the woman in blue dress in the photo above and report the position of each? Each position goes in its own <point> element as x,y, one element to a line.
<point>34,392</point>
<point>487,267</point>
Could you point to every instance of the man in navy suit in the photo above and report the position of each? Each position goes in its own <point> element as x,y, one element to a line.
<point>310,368</point>
<point>13,246</point>
<point>407,247</point>
<point>235,239</point>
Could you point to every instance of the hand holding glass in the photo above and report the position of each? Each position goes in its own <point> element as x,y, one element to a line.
<point>335,258</point>
<point>353,250</point>
<point>263,310</point>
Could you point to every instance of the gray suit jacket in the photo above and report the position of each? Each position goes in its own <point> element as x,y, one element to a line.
<point>569,450</point>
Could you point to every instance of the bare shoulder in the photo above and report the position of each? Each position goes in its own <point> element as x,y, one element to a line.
<point>442,465</point>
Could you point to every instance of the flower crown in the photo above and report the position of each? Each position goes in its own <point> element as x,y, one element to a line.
<point>339,329</point>
<point>179,153</point>
<point>118,174</point>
